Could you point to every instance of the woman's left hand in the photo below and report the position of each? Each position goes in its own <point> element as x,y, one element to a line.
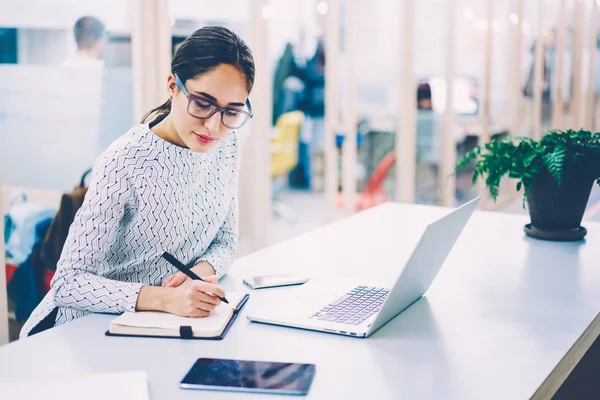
<point>202,269</point>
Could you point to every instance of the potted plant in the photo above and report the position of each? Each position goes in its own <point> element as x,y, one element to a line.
<point>556,173</point>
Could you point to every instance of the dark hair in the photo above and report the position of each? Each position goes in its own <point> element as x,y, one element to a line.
<point>87,31</point>
<point>424,92</point>
<point>202,52</point>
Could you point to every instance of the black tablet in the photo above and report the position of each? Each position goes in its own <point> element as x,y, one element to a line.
<point>249,376</point>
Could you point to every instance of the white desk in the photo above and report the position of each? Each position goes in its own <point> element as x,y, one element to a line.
<point>502,315</point>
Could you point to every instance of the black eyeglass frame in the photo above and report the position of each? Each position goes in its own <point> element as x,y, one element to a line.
<point>216,108</point>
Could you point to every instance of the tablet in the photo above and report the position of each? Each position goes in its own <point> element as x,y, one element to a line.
<point>249,376</point>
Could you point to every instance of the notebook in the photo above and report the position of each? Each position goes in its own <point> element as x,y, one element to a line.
<point>160,324</point>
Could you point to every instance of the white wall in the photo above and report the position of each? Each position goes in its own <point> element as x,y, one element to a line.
<point>62,14</point>
<point>378,41</point>
<point>288,20</point>
<point>222,10</point>
<point>44,46</point>
<point>54,121</point>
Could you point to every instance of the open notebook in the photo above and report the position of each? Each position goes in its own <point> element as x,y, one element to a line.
<point>159,324</point>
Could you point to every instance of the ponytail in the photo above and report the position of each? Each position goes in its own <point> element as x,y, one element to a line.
<point>159,113</point>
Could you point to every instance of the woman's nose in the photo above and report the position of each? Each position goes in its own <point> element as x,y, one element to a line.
<point>213,124</point>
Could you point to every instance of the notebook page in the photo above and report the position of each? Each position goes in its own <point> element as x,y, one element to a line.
<point>216,321</point>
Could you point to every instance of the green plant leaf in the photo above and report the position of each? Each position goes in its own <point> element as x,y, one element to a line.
<point>528,159</point>
<point>475,176</point>
<point>554,162</point>
<point>524,159</point>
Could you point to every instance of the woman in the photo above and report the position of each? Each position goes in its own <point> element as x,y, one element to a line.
<point>168,184</point>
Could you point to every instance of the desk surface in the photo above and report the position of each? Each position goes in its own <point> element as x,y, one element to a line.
<point>505,318</point>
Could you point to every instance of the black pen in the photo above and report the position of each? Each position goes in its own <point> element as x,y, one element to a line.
<point>181,266</point>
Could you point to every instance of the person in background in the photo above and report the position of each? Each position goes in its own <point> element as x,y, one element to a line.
<point>285,96</point>
<point>89,36</point>
<point>424,101</point>
<point>428,138</point>
<point>169,184</point>
<point>312,135</point>
<point>313,104</point>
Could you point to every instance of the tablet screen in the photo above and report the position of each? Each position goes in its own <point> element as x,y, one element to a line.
<point>249,376</point>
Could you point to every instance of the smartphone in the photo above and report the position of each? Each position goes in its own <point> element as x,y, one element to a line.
<point>249,376</point>
<point>270,281</point>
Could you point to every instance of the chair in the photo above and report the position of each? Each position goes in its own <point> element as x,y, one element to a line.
<point>284,157</point>
<point>374,191</point>
<point>428,153</point>
<point>9,326</point>
<point>428,138</point>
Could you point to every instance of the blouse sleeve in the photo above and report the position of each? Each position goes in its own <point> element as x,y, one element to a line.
<point>77,283</point>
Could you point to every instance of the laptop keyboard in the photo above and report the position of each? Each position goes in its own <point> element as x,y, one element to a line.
<point>354,307</point>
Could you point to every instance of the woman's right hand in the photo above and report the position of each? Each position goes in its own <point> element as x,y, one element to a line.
<point>193,299</point>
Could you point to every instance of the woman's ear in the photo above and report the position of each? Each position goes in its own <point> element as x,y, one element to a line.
<point>171,85</point>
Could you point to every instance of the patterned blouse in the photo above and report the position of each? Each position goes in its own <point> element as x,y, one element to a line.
<point>146,196</point>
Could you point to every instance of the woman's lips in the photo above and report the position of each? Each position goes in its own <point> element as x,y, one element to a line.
<point>205,139</point>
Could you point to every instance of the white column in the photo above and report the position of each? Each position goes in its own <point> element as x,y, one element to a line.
<point>406,132</point>
<point>589,104</point>
<point>3,300</point>
<point>515,67</point>
<point>485,100</point>
<point>578,44</point>
<point>332,72</point>
<point>487,76</point>
<point>538,75</point>
<point>151,54</point>
<point>446,179</point>
<point>558,105</point>
<point>255,172</point>
<point>350,112</point>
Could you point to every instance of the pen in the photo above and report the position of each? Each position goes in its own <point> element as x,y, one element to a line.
<point>181,266</point>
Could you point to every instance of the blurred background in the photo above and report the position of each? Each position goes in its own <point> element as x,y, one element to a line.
<point>356,102</point>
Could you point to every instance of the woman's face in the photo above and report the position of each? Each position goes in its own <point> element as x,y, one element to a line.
<point>224,86</point>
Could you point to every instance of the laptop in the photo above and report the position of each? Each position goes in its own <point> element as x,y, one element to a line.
<point>362,309</point>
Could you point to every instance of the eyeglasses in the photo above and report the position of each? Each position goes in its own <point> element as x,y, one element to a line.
<point>202,108</point>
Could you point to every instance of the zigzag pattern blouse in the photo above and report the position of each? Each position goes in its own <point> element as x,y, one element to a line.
<point>146,196</point>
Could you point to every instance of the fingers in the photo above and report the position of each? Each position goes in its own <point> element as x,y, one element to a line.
<point>209,298</point>
<point>199,298</point>
<point>196,303</point>
<point>201,305</point>
<point>208,288</point>
<point>167,280</point>
<point>211,279</point>
<point>177,280</point>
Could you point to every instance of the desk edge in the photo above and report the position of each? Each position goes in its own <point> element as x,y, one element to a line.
<point>563,369</point>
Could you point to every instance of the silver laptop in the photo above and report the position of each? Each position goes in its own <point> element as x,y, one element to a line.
<point>364,309</point>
